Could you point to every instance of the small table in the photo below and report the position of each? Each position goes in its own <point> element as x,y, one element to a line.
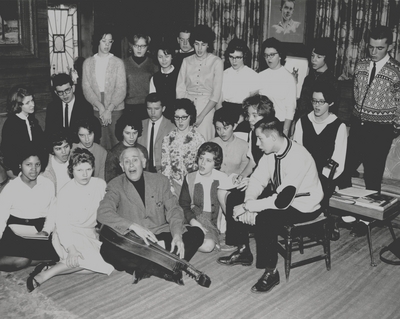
<point>375,217</point>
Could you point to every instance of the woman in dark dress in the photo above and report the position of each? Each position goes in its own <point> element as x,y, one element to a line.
<point>20,129</point>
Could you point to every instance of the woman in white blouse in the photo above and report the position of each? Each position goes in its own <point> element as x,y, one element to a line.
<point>75,238</point>
<point>27,200</point>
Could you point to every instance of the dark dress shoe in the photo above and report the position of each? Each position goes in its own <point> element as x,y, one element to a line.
<point>176,278</point>
<point>140,275</point>
<point>241,256</point>
<point>359,229</point>
<point>267,281</point>
<point>40,267</point>
<point>31,283</point>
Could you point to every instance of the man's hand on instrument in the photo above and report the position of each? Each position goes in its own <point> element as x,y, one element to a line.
<point>144,233</point>
<point>180,247</point>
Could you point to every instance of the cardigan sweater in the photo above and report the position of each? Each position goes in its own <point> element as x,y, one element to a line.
<point>114,88</point>
<point>192,195</point>
<point>138,79</point>
<point>379,102</point>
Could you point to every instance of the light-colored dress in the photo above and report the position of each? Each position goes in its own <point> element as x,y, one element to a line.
<point>201,81</point>
<point>178,156</point>
<point>75,223</point>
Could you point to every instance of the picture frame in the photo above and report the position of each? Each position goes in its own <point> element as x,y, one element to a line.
<point>24,35</point>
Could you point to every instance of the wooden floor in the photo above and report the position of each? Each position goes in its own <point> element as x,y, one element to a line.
<point>352,289</point>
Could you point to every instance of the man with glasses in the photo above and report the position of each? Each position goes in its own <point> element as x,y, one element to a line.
<point>185,49</point>
<point>375,120</point>
<point>67,108</point>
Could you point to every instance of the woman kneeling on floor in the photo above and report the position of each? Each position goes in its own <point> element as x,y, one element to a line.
<point>27,200</point>
<point>75,238</point>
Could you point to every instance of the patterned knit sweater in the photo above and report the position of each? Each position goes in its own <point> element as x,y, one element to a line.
<point>379,102</point>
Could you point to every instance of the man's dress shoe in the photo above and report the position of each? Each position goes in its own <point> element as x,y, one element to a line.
<point>242,257</point>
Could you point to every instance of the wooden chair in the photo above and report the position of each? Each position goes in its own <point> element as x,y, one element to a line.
<point>316,231</point>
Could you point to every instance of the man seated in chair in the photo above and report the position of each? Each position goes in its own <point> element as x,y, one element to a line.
<point>295,197</point>
<point>143,202</point>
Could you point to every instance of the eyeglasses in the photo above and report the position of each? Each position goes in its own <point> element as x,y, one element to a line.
<point>137,46</point>
<point>107,41</point>
<point>234,58</point>
<point>271,55</point>
<point>318,102</point>
<point>181,118</point>
<point>65,92</point>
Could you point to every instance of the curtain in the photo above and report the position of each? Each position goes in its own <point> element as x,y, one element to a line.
<point>348,23</point>
<point>233,18</point>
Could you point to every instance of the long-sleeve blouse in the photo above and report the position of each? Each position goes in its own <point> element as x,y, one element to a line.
<point>178,154</point>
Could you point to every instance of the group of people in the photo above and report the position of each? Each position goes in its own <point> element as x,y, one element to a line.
<point>182,153</point>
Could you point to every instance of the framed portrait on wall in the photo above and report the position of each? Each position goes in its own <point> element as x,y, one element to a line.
<point>287,20</point>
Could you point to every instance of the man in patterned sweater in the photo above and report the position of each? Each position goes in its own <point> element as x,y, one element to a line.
<point>376,115</point>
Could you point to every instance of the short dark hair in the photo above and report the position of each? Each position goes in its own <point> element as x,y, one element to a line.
<point>204,34</point>
<point>15,98</point>
<point>326,47</point>
<point>382,32</point>
<point>327,89</point>
<point>213,148</point>
<point>284,1</point>
<point>152,98</point>
<point>278,46</point>
<point>270,124</point>
<point>226,116</point>
<point>79,156</point>
<point>60,79</point>
<point>99,34</point>
<point>239,45</point>
<point>263,104</point>
<point>167,47</point>
<point>57,138</point>
<point>127,119</point>
<point>92,124</point>
<point>185,28</point>
<point>188,106</point>
<point>32,149</point>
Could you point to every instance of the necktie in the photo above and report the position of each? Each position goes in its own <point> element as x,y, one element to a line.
<point>151,166</point>
<point>373,71</point>
<point>277,173</point>
<point>66,116</point>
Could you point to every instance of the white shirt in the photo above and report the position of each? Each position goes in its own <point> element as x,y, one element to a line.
<point>70,107</point>
<point>238,84</point>
<point>61,171</point>
<point>379,65</point>
<point>100,69</point>
<point>28,127</point>
<point>340,148</point>
<point>156,127</point>
<point>19,200</point>
<point>280,87</point>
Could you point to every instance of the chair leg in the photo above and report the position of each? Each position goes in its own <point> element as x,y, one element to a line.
<point>288,259</point>
<point>301,245</point>
<point>390,226</point>
<point>327,246</point>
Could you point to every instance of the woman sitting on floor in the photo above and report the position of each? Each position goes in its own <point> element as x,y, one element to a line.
<point>75,238</point>
<point>198,196</point>
<point>27,200</point>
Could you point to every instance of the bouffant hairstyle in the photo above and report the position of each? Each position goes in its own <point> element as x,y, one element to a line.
<point>213,148</point>
<point>15,98</point>
<point>326,47</point>
<point>328,91</point>
<point>127,119</point>
<point>57,138</point>
<point>204,34</point>
<point>239,45</point>
<point>98,35</point>
<point>278,46</point>
<point>79,156</point>
<point>225,116</point>
<point>60,79</point>
<point>188,106</point>
<point>132,39</point>
<point>261,103</point>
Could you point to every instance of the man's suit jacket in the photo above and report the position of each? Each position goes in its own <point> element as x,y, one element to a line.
<point>55,118</point>
<point>122,206</point>
<point>166,127</point>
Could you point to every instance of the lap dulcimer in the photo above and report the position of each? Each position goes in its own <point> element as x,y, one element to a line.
<point>134,244</point>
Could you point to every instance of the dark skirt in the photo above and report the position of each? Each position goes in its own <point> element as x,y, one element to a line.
<point>34,249</point>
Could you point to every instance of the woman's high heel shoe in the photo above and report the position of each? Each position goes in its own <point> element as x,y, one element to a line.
<point>31,283</point>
